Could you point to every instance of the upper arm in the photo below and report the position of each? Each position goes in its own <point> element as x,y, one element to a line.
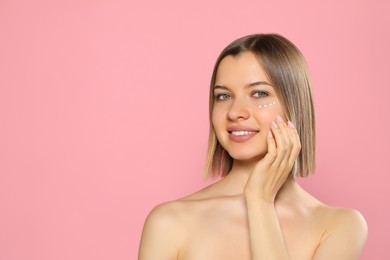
<point>160,235</point>
<point>345,238</point>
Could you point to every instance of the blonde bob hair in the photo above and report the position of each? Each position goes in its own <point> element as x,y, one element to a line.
<point>287,70</point>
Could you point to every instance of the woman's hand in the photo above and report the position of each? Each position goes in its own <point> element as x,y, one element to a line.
<point>271,172</point>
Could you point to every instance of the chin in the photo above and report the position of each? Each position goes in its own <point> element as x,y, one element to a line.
<point>246,155</point>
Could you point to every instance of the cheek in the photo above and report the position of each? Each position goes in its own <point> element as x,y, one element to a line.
<point>218,123</point>
<point>216,118</point>
<point>265,116</point>
<point>267,112</point>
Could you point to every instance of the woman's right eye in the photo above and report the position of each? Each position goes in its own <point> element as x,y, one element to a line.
<point>221,97</point>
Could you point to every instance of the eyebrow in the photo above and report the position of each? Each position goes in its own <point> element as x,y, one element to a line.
<point>257,83</point>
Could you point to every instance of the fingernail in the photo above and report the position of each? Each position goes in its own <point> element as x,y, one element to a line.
<point>280,119</point>
<point>275,124</point>
<point>290,124</point>
<point>269,134</point>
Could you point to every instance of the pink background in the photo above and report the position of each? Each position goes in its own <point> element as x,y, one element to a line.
<point>103,113</point>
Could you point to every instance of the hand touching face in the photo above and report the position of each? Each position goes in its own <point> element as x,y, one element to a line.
<point>272,171</point>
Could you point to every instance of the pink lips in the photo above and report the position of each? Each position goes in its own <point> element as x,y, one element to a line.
<point>241,138</point>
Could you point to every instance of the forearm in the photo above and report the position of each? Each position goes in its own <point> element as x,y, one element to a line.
<point>266,238</point>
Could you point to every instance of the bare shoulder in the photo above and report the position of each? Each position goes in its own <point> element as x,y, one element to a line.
<point>337,220</point>
<point>341,219</point>
<point>176,211</point>
<point>345,233</point>
<point>162,233</point>
<point>168,216</point>
<point>333,218</point>
<point>166,227</point>
<point>165,212</point>
<point>171,214</point>
<point>341,232</point>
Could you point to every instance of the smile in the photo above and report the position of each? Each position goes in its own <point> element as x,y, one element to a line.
<point>241,136</point>
<point>241,133</point>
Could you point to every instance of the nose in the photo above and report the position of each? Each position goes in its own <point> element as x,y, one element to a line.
<point>238,110</point>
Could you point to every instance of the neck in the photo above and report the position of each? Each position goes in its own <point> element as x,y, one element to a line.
<point>235,181</point>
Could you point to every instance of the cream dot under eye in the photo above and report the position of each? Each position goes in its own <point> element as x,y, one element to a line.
<point>270,104</point>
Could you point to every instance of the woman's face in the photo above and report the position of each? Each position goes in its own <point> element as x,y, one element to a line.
<point>245,104</point>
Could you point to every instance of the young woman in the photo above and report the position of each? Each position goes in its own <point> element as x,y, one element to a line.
<point>262,136</point>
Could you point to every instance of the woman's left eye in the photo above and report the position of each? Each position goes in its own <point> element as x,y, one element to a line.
<point>260,94</point>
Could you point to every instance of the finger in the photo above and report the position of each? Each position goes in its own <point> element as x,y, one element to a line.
<point>280,143</point>
<point>271,155</point>
<point>287,138</point>
<point>296,143</point>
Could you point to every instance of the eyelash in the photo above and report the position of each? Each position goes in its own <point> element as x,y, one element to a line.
<point>263,95</point>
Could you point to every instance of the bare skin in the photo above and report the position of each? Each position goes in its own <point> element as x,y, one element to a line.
<point>258,211</point>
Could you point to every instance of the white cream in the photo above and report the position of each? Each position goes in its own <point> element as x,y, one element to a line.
<point>268,105</point>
